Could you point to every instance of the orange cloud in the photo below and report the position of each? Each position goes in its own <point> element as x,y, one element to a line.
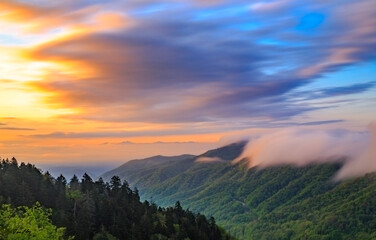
<point>18,12</point>
<point>31,19</point>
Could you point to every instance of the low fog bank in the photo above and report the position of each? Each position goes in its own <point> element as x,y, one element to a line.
<point>209,159</point>
<point>304,146</point>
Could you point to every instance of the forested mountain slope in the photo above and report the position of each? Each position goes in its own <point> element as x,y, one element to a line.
<point>136,168</point>
<point>89,209</point>
<point>283,202</point>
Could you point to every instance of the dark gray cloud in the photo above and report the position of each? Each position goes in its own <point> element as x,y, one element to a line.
<point>336,91</point>
<point>351,89</point>
<point>17,129</point>
<point>315,123</point>
<point>122,134</point>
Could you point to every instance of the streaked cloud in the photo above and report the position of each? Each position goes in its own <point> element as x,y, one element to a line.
<point>158,142</point>
<point>180,70</point>
<point>336,91</point>
<point>101,71</point>
<point>17,128</point>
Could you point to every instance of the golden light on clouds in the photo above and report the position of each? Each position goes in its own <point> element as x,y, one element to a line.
<point>18,98</point>
<point>136,78</point>
<point>20,65</point>
<point>14,67</point>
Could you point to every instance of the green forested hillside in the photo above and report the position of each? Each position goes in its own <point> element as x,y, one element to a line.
<point>283,202</point>
<point>165,166</point>
<point>38,206</point>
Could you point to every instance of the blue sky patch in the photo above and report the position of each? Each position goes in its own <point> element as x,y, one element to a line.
<point>310,21</point>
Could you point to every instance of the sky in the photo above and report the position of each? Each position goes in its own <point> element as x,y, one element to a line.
<point>103,82</point>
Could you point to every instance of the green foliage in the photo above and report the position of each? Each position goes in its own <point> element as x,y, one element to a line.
<point>28,223</point>
<point>104,235</point>
<point>89,210</point>
<point>284,202</point>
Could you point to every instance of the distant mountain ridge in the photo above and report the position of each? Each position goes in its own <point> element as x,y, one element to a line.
<point>228,152</point>
<point>134,168</point>
<point>168,166</point>
<point>283,202</point>
<point>69,171</point>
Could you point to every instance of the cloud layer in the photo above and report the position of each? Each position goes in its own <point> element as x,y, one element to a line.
<point>302,147</point>
<point>79,73</point>
<point>190,62</point>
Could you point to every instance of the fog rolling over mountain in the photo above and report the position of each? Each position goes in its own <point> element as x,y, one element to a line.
<point>305,146</point>
<point>273,202</point>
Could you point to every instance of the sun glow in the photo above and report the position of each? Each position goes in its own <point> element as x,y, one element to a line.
<point>91,79</point>
<point>17,98</point>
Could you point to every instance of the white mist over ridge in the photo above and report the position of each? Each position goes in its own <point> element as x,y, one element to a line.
<point>363,163</point>
<point>209,159</point>
<point>304,146</point>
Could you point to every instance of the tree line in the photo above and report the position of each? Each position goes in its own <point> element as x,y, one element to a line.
<point>88,209</point>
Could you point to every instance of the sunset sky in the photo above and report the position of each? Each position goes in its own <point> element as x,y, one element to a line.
<point>94,81</point>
